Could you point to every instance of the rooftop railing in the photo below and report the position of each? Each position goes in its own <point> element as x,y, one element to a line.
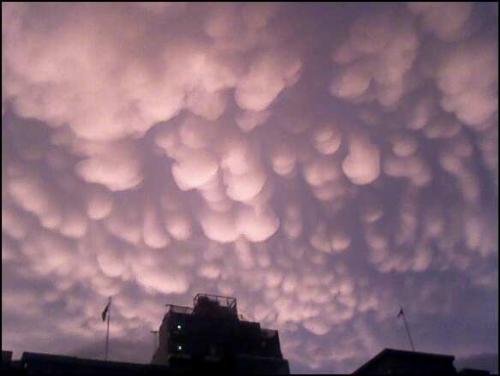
<point>223,301</point>
<point>179,309</point>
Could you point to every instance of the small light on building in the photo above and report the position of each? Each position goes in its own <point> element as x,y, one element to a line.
<point>179,326</point>
<point>179,347</point>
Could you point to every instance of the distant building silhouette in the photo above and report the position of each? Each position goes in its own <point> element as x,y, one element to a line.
<point>400,362</point>
<point>211,336</point>
<point>36,364</point>
<point>473,372</point>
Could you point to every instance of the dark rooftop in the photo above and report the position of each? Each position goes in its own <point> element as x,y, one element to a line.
<point>401,362</point>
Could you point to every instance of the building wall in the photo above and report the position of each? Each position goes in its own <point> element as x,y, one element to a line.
<point>202,338</point>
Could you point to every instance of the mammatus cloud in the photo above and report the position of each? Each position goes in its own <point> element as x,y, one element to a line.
<point>454,26</point>
<point>322,163</point>
<point>362,164</point>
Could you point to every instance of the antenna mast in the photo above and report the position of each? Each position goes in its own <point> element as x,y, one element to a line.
<point>402,313</point>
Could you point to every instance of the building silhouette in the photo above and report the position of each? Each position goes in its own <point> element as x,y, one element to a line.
<point>399,362</point>
<point>38,364</point>
<point>211,336</point>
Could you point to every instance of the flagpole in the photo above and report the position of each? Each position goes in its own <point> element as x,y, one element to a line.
<point>407,330</point>
<point>107,330</point>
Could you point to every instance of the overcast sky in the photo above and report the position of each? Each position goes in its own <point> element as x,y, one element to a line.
<point>322,163</point>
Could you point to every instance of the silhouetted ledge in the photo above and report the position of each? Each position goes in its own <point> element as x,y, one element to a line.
<point>48,364</point>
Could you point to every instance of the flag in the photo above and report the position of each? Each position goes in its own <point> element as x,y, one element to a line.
<point>106,309</point>
<point>401,313</point>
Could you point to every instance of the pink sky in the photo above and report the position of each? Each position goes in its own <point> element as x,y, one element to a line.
<point>323,163</point>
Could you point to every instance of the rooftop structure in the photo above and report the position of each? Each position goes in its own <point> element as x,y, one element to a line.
<point>400,362</point>
<point>212,336</point>
<point>38,364</point>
